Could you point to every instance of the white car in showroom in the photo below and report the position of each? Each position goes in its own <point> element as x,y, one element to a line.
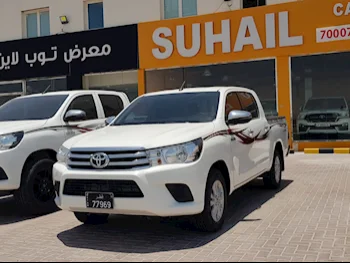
<point>172,153</point>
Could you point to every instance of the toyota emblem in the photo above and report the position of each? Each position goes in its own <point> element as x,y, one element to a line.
<point>99,160</point>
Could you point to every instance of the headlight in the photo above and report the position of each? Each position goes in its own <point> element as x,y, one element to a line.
<point>10,141</point>
<point>302,116</point>
<point>62,155</point>
<point>176,154</point>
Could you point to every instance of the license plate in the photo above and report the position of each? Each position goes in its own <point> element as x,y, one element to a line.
<point>323,125</point>
<point>100,200</point>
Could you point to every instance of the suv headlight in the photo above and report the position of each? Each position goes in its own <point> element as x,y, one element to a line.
<point>63,155</point>
<point>176,154</point>
<point>10,141</point>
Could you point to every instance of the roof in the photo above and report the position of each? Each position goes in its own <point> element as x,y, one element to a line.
<point>73,92</point>
<point>200,89</point>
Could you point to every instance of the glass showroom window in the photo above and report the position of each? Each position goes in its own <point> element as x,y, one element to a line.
<point>35,86</point>
<point>179,8</point>
<point>9,91</point>
<point>126,81</point>
<point>253,3</point>
<point>256,75</point>
<point>37,23</point>
<point>321,97</point>
<point>95,15</point>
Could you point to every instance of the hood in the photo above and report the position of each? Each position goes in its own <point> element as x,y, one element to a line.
<point>324,111</point>
<point>16,126</point>
<point>146,136</point>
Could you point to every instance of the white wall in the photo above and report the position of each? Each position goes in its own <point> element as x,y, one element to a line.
<point>214,6</point>
<point>117,12</point>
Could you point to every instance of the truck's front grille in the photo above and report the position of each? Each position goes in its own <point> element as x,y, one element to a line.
<point>118,159</point>
<point>120,189</point>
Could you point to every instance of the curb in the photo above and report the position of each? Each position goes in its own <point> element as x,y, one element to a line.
<point>327,150</point>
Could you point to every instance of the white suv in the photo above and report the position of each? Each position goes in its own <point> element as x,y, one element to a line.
<point>32,129</point>
<point>172,153</point>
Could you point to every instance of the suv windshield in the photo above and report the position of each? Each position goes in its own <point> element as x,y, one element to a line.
<point>171,108</point>
<point>326,104</point>
<point>31,108</point>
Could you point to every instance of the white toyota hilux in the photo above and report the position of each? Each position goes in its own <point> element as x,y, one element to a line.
<point>32,129</point>
<point>172,153</point>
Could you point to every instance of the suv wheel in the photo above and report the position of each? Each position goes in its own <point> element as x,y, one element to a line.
<point>273,178</point>
<point>37,193</point>
<point>213,216</point>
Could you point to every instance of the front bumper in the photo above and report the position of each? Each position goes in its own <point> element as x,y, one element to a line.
<point>11,165</point>
<point>340,127</point>
<point>168,190</point>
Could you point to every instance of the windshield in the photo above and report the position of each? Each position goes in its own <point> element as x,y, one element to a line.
<point>171,108</point>
<point>326,104</point>
<point>31,108</point>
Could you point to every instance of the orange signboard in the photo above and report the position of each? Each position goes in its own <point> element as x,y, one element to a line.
<point>290,29</point>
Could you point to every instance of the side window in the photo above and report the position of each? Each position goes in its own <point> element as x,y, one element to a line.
<point>85,103</point>
<point>249,104</point>
<point>112,105</point>
<point>232,103</point>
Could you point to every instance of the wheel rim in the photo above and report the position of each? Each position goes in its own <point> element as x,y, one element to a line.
<point>43,186</point>
<point>277,169</point>
<point>217,201</point>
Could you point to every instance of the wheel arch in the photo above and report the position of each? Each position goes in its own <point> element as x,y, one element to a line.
<point>37,155</point>
<point>223,168</point>
<point>279,148</point>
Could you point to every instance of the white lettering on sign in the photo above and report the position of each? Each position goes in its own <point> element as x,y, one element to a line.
<point>329,34</point>
<point>12,60</point>
<point>196,41</point>
<point>162,42</point>
<point>340,10</point>
<point>224,37</point>
<point>247,25</point>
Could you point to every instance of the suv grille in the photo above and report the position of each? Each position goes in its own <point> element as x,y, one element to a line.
<point>119,159</point>
<point>126,189</point>
<point>326,117</point>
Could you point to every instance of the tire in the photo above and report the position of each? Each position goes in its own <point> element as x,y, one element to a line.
<point>206,221</point>
<point>92,219</point>
<point>273,178</point>
<point>37,194</point>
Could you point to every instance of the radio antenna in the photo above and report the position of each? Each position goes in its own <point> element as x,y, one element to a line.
<point>182,86</point>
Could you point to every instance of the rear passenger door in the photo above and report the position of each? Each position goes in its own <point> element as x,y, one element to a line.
<point>255,133</point>
<point>112,105</point>
<point>93,121</point>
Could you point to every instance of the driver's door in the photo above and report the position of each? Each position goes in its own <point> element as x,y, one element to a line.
<point>240,151</point>
<point>86,103</point>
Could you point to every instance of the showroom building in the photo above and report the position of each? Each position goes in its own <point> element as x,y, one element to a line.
<point>295,55</point>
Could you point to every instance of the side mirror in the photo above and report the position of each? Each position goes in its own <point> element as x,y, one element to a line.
<point>109,120</point>
<point>75,115</point>
<point>239,117</point>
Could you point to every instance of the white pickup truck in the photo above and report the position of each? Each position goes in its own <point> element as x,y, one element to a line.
<point>32,129</point>
<point>172,153</point>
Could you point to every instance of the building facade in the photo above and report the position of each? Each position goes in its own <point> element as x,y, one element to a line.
<point>294,54</point>
<point>60,27</point>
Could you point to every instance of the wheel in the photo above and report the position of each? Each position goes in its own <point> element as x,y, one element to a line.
<point>92,219</point>
<point>36,194</point>
<point>273,178</point>
<point>213,216</point>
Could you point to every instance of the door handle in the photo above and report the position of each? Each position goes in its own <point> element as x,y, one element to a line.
<point>251,132</point>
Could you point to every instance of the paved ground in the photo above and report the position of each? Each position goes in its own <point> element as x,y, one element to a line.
<point>307,220</point>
